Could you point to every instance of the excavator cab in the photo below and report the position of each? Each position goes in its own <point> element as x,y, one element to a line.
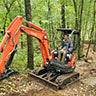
<point>70,32</point>
<point>69,59</point>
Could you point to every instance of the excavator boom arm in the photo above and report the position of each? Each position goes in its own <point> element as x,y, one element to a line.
<point>10,41</point>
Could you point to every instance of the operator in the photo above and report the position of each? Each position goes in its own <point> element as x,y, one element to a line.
<point>63,49</point>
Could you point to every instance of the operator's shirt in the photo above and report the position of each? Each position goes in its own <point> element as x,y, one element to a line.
<point>67,43</point>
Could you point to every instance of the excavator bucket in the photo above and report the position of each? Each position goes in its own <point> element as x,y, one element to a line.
<point>56,81</point>
<point>7,73</point>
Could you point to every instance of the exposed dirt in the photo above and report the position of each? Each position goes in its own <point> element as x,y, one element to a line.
<point>21,85</point>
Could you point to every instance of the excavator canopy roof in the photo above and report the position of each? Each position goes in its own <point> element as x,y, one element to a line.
<point>68,31</point>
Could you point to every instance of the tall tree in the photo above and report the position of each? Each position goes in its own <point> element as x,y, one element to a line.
<point>62,16</point>
<point>76,15</point>
<point>76,21</point>
<point>76,27</point>
<point>80,24</point>
<point>49,19</point>
<point>29,38</point>
<point>21,15</point>
<point>81,13</point>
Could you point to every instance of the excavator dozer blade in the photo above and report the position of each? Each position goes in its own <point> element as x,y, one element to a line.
<point>43,81</point>
<point>59,83</point>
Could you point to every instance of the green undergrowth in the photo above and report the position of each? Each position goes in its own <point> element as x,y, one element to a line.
<point>19,62</point>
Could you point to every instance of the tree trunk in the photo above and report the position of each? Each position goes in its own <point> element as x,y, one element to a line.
<point>76,21</point>
<point>62,18</point>
<point>94,48</point>
<point>82,3</point>
<point>49,19</point>
<point>63,15</point>
<point>68,25</point>
<point>80,49</point>
<point>76,16</point>
<point>21,33</point>
<point>29,38</point>
<point>76,27</point>
<point>21,41</point>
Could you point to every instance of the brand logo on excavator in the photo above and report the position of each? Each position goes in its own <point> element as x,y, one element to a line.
<point>33,34</point>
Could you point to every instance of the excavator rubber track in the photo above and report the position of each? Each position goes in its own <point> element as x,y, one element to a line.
<point>60,82</point>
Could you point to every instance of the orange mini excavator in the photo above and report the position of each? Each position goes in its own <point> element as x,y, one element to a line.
<point>54,72</point>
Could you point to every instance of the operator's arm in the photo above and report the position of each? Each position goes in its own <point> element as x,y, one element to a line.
<point>70,46</point>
